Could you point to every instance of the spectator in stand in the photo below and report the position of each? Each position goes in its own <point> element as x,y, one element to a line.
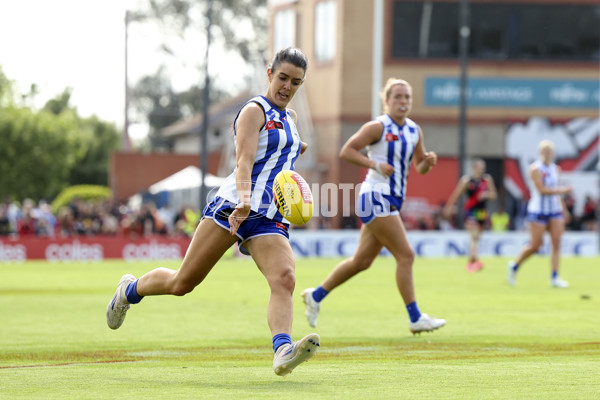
<point>500,220</point>
<point>109,223</point>
<point>13,212</point>
<point>186,220</point>
<point>160,228</point>
<point>574,223</point>
<point>46,220</point>
<point>166,215</point>
<point>64,223</point>
<point>588,220</point>
<point>26,225</point>
<point>5,228</point>
<point>131,225</point>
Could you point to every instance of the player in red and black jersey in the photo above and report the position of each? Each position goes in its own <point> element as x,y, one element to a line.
<point>479,188</point>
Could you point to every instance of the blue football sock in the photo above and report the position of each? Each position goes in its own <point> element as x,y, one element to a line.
<point>515,266</point>
<point>319,294</point>
<point>554,274</point>
<point>279,339</point>
<point>132,295</point>
<point>413,311</point>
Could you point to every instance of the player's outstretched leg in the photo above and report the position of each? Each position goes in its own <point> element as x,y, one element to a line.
<point>118,305</point>
<point>426,324</point>
<point>312,307</point>
<point>288,356</point>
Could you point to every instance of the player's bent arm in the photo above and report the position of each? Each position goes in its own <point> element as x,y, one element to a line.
<point>248,126</point>
<point>536,177</point>
<point>565,211</point>
<point>423,160</point>
<point>456,193</point>
<point>351,151</point>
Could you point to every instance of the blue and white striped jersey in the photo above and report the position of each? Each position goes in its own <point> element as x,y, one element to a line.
<point>395,147</point>
<point>278,148</point>
<point>545,204</point>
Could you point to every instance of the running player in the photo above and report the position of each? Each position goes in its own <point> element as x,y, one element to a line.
<point>267,142</point>
<point>545,212</point>
<point>392,141</point>
<point>479,188</point>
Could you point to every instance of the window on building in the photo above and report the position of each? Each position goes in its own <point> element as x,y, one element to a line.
<point>502,31</point>
<point>325,30</point>
<point>284,29</point>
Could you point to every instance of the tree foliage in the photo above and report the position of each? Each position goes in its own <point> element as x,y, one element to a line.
<point>237,25</point>
<point>44,151</point>
<point>228,16</point>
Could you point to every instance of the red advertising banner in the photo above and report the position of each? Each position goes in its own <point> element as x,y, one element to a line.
<point>92,248</point>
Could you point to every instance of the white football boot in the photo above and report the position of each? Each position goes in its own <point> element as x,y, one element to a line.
<point>312,307</point>
<point>559,283</point>
<point>118,306</point>
<point>288,356</point>
<point>426,324</point>
<point>511,274</point>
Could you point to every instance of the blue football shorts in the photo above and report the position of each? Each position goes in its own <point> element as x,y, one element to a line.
<point>255,225</point>
<point>542,219</point>
<point>371,205</point>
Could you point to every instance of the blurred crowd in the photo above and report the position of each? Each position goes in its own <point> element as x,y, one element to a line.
<point>500,220</point>
<point>85,218</point>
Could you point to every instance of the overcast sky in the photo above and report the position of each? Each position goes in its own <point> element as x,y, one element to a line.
<point>80,44</point>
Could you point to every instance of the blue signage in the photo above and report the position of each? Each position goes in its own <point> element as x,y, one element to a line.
<point>500,92</point>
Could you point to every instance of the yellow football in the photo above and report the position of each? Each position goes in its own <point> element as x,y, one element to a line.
<point>293,197</point>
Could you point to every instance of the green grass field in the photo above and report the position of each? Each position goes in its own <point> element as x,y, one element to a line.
<point>527,342</point>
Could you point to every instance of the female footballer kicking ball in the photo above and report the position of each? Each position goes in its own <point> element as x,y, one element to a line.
<point>267,142</point>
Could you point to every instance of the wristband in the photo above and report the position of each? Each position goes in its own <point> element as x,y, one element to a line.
<point>377,167</point>
<point>240,206</point>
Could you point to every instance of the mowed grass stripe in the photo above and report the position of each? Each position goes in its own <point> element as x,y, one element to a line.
<point>531,341</point>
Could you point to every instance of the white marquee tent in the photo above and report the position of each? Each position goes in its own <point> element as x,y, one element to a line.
<point>180,189</point>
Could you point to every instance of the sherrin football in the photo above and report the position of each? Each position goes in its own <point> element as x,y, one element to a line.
<point>293,197</point>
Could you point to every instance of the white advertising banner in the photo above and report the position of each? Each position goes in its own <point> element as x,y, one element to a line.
<point>343,243</point>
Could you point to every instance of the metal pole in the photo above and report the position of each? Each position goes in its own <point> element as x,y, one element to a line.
<point>126,144</point>
<point>464,33</point>
<point>463,46</point>
<point>377,57</point>
<point>205,116</point>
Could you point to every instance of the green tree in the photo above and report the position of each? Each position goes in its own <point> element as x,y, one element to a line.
<point>37,153</point>
<point>45,151</point>
<point>60,103</point>
<point>98,139</point>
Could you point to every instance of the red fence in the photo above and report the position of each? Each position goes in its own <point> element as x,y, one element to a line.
<point>92,248</point>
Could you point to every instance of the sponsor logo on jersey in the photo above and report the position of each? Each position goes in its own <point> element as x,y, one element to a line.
<point>390,137</point>
<point>274,125</point>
